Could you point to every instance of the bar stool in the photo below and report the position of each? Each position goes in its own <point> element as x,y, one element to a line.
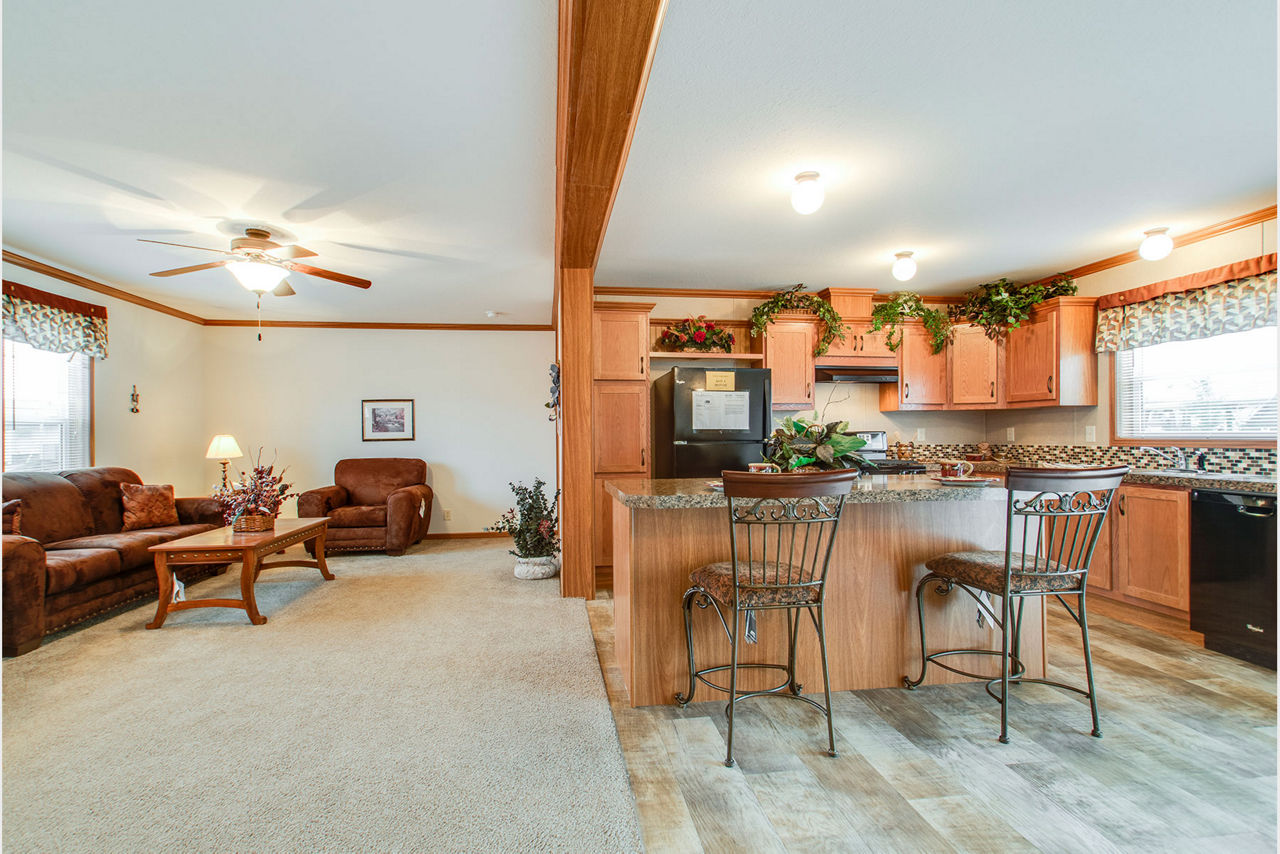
<point>1053,520</point>
<point>781,531</point>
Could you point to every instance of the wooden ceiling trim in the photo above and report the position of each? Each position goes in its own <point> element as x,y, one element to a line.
<point>445,327</point>
<point>98,287</point>
<point>610,48</point>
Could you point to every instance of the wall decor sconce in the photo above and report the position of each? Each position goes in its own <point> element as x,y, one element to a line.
<point>133,401</point>
<point>1156,245</point>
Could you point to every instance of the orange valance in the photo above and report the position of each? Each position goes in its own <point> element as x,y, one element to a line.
<point>1193,282</point>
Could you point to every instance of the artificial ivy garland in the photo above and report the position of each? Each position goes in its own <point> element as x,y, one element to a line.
<point>793,300</point>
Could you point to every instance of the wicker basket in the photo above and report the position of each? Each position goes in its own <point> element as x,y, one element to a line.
<point>247,523</point>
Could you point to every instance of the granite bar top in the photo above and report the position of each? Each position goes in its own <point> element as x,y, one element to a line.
<point>1225,481</point>
<point>693,493</point>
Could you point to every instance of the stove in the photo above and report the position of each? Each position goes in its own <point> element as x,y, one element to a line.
<point>877,452</point>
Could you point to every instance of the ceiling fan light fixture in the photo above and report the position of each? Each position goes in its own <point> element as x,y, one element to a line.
<point>807,195</point>
<point>904,267</point>
<point>284,289</point>
<point>1156,245</point>
<point>256,276</point>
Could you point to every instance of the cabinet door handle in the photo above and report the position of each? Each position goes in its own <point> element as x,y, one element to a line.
<point>1050,384</point>
<point>1121,508</point>
<point>906,390</point>
<point>642,364</point>
<point>862,343</point>
<point>809,390</point>
<point>642,457</point>
<point>993,388</point>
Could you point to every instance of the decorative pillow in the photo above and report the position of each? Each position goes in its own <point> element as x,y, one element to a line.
<point>12,516</point>
<point>148,505</point>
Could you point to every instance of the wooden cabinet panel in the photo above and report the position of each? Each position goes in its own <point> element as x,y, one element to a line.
<point>975,376</point>
<point>922,374</point>
<point>620,426</point>
<point>621,345</point>
<point>1101,571</point>
<point>1032,365</point>
<point>603,540</point>
<point>1152,530</point>
<point>788,354</point>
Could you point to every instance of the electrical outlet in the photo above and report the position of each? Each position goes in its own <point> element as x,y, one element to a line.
<point>1008,435</point>
<point>919,434</point>
<point>448,515</point>
<point>1091,433</point>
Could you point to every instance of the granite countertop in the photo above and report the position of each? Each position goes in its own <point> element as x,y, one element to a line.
<point>692,493</point>
<point>1226,481</point>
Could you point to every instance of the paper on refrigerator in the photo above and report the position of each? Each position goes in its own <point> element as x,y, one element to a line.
<point>721,410</point>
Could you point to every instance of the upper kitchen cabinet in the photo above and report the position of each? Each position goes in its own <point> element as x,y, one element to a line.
<point>860,346</point>
<point>788,352</point>
<point>620,333</point>
<point>975,368</point>
<point>922,373</point>
<point>1050,360</point>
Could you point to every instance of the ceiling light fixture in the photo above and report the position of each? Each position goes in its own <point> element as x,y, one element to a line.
<point>256,276</point>
<point>905,267</point>
<point>1156,245</point>
<point>807,195</point>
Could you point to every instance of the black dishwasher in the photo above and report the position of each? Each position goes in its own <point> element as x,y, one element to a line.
<point>1233,573</point>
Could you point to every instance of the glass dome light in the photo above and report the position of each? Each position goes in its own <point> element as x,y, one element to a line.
<point>256,276</point>
<point>1156,245</point>
<point>905,267</point>
<point>807,195</point>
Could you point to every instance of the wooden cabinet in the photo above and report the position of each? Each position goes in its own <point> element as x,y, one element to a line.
<point>1101,570</point>
<point>975,367</point>
<point>1151,528</point>
<point>603,539</point>
<point>860,347</point>
<point>620,426</point>
<point>1033,359</point>
<point>922,373</point>
<point>620,339</point>
<point>1050,360</point>
<point>788,354</point>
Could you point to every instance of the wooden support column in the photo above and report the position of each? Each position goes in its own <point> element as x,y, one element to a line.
<point>606,50</point>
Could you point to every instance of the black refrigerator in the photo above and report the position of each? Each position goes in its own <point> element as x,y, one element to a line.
<point>707,420</point>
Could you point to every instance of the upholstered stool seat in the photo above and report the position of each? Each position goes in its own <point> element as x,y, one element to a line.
<point>985,571</point>
<point>761,584</point>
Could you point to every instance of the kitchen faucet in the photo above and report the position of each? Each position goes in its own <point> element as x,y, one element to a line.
<point>1179,459</point>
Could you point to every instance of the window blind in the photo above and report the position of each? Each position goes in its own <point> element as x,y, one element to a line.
<point>1223,388</point>
<point>47,409</point>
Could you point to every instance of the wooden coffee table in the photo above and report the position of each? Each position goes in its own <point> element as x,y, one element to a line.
<point>225,546</point>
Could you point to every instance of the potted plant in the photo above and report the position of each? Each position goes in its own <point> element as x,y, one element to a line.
<point>793,299</point>
<point>697,334</point>
<point>253,502</point>
<point>801,444</point>
<point>532,524</point>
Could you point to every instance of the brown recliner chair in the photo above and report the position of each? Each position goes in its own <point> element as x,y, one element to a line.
<point>374,505</point>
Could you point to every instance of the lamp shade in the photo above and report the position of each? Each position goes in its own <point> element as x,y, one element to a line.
<point>807,194</point>
<point>223,447</point>
<point>257,276</point>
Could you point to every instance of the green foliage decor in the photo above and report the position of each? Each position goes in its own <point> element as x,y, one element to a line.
<point>532,522</point>
<point>793,299</point>
<point>801,442</point>
<point>995,306</point>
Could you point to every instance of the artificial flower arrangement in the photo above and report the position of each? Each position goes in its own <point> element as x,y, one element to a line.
<point>697,333</point>
<point>803,444</point>
<point>259,493</point>
<point>532,522</point>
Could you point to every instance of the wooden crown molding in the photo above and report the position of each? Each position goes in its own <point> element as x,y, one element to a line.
<point>123,295</point>
<point>623,306</point>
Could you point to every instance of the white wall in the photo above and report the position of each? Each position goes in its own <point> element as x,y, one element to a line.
<point>480,420</point>
<point>164,356</point>
<point>1066,425</point>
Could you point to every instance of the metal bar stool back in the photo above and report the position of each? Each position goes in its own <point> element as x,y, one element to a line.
<point>1054,518</point>
<point>782,530</point>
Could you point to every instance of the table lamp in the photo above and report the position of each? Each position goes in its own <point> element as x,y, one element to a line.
<point>224,449</point>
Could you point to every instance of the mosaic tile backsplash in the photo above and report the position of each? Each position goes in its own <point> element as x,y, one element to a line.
<point>1234,460</point>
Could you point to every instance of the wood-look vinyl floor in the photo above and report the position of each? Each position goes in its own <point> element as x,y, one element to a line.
<point>1187,761</point>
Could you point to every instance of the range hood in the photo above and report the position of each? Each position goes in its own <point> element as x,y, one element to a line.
<point>846,374</point>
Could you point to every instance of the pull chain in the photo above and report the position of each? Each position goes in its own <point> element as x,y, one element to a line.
<point>259,317</point>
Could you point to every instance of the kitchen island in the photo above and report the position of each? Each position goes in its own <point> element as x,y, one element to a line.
<point>892,524</point>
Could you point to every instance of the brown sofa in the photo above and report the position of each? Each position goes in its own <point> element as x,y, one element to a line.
<point>71,560</point>
<point>374,505</point>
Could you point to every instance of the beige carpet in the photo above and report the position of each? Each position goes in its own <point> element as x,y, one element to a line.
<point>429,702</point>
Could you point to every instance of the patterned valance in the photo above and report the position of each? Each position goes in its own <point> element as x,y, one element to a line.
<point>49,322</point>
<point>1227,306</point>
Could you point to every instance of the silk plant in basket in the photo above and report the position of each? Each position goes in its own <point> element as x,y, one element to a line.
<point>259,493</point>
<point>803,444</point>
<point>532,524</point>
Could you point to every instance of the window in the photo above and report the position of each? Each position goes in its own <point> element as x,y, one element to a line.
<point>1219,388</point>
<point>47,409</point>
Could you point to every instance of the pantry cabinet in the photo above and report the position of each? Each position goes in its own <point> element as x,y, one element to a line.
<point>620,341</point>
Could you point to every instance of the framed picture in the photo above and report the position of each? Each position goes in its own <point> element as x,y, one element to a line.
<point>386,420</point>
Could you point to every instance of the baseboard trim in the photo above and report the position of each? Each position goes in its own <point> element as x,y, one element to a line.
<point>466,535</point>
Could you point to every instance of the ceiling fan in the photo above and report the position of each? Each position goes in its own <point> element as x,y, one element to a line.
<point>261,264</point>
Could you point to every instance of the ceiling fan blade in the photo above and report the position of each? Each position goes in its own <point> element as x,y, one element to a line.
<point>283,289</point>
<point>293,250</point>
<point>185,246</point>
<point>327,274</point>
<point>180,270</point>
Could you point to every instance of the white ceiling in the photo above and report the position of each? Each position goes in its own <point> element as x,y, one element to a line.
<point>992,137</point>
<point>411,143</point>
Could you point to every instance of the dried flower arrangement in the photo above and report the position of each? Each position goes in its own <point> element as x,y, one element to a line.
<point>259,493</point>
<point>532,522</point>
<point>696,333</point>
